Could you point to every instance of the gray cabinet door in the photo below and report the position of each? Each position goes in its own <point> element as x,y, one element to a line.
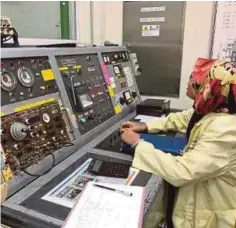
<point>154,30</point>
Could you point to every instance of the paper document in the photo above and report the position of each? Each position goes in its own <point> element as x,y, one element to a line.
<point>145,119</point>
<point>68,191</point>
<point>105,208</point>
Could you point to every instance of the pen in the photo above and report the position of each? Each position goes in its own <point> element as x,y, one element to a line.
<point>115,190</point>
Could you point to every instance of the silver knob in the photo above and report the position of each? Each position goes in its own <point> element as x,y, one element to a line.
<point>18,131</point>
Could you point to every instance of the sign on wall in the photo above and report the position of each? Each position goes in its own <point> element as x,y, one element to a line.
<point>224,41</point>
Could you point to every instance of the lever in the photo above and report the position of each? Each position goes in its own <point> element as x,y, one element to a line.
<point>73,90</point>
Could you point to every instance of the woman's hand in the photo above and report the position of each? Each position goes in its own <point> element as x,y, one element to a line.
<point>130,137</point>
<point>136,127</point>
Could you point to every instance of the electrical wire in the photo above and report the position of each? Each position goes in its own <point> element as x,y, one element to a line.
<point>67,144</point>
<point>47,171</point>
<point>53,161</point>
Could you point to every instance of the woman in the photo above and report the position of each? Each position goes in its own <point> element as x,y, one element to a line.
<point>206,173</point>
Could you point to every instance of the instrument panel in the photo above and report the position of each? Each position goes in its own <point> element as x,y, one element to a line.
<point>119,79</point>
<point>51,97</point>
<point>29,135</point>
<point>86,89</point>
<point>26,78</point>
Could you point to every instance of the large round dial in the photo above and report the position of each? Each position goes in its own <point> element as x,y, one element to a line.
<point>26,77</point>
<point>8,81</point>
<point>18,131</point>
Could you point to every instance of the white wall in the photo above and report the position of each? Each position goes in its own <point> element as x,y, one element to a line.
<point>108,20</point>
<point>83,21</point>
<point>105,22</point>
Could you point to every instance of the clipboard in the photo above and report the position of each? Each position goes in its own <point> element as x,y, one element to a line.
<point>102,208</point>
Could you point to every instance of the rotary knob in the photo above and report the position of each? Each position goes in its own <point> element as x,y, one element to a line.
<point>27,121</point>
<point>33,134</point>
<point>134,94</point>
<point>16,146</point>
<point>122,100</point>
<point>54,139</point>
<point>139,69</point>
<point>90,117</point>
<point>18,131</point>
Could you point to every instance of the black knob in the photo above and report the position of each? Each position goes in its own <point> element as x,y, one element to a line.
<point>90,117</point>
<point>139,69</point>
<point>134,94</point>
<point>122,100</point>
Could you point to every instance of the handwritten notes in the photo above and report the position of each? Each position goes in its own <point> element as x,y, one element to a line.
<point>102,208</point>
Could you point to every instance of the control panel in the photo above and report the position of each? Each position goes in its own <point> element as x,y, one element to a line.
<point>115,57</point>
<point>111,143</point>
<point>114,143</point>
<point>119,79</point>
<point>26,78</point>
<point>29,135</point>
<point>86,89</point>
<point>49,95</point>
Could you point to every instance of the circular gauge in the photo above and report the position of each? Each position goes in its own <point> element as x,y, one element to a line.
<point>26,77</point>
<point>46,117</point>
<point>8,81</point>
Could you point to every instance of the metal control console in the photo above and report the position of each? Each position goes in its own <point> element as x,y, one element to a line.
<point>61,102</point>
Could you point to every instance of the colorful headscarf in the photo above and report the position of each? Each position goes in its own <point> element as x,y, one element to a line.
<point>215,86</point>
<point>214,83</point>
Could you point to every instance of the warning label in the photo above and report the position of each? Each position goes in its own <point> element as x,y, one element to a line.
<point>150,30</point>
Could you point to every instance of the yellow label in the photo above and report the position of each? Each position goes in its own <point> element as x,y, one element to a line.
<point>63,68</point>
<point>111,91</point>
<point>33,105</point>
<point>47,75</point>
<point>77,67</point>
<point>7,174</point>
<point>3,113</point>
<point>117,109</point>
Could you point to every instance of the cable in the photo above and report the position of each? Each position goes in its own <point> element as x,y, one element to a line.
<point>67,144</point>
<point>47,171</point>
<point>53,161</point>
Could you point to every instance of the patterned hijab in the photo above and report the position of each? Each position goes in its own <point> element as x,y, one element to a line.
<point>214,83</point>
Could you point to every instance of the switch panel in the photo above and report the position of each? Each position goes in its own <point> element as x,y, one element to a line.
<point>86,89</point>
<point>119,78</point>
